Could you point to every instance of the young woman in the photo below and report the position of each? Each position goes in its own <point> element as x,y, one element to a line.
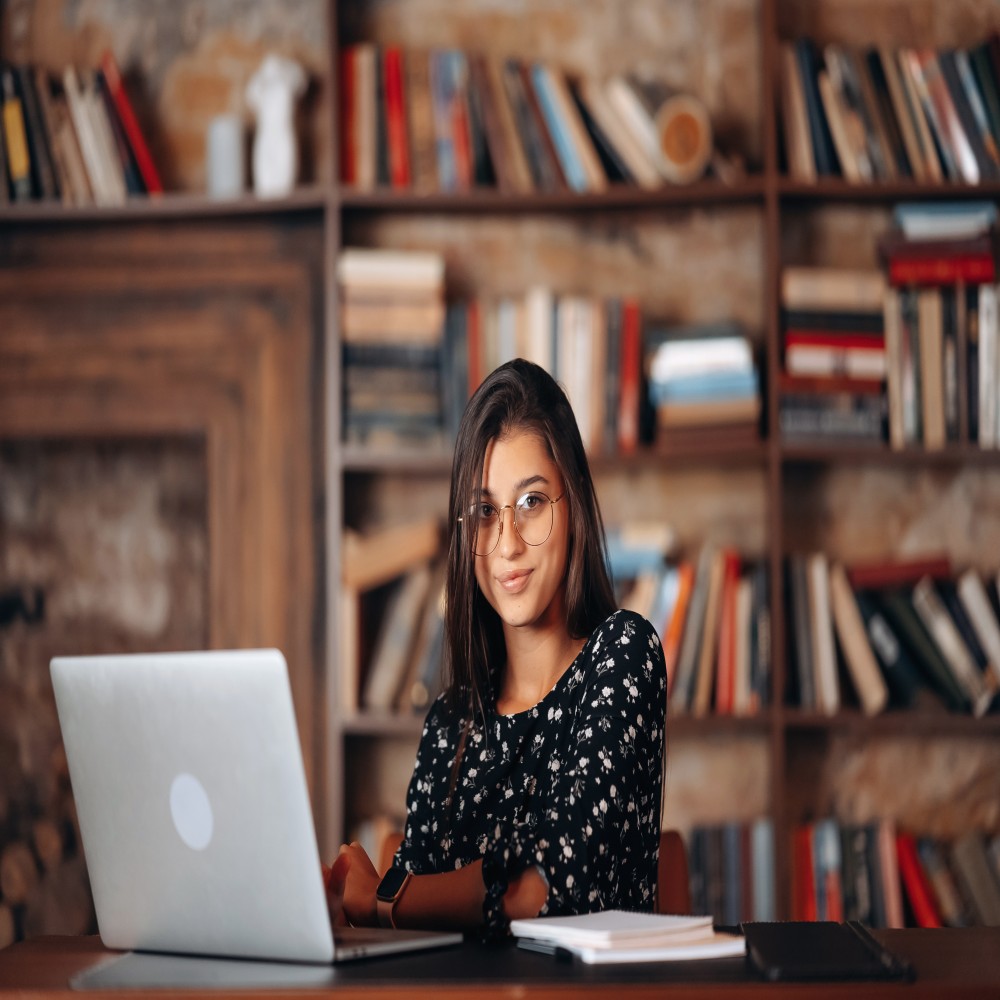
<point>537,783</point>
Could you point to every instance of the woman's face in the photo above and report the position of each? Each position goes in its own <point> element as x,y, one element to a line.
<point>525,584</point>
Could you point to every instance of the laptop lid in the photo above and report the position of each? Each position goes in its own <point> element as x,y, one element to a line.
<point>192,802</point>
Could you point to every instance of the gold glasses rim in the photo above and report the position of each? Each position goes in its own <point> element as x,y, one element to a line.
<point>513,507</point>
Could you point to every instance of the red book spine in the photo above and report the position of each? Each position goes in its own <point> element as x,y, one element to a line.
<point>628,397</point>
<point>803,876</point>
<point>893,574</point>
<point>395,115</point>
<point>916,883</point>
<point>143,158</point>
<point>854,341</point>
<point>972,269</point>
<point>461,137</point>
<point>348,122</point>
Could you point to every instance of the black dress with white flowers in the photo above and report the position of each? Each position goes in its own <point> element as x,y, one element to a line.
<point>571,785</point>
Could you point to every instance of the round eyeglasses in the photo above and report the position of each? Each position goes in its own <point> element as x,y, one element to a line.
<point>533,519</point>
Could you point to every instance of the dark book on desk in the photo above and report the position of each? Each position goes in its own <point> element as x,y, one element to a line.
<point>799,950</point>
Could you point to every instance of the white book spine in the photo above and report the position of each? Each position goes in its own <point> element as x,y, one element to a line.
<point>972,594</point>
<point>824,653</point>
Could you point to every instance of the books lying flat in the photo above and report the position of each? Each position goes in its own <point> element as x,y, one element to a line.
<point>621,936</point>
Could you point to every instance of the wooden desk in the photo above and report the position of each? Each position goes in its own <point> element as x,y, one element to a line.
<point>949,963</point>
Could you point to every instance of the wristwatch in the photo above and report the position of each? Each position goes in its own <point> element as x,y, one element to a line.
<point>390,891</point>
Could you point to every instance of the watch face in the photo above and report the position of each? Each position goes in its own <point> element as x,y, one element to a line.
<point>391,883</point>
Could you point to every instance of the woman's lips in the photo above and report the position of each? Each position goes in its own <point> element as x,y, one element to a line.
<point>515,581</point>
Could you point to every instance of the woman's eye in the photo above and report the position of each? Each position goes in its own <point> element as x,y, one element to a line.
<point>486,511</point>
<point>531,501</point>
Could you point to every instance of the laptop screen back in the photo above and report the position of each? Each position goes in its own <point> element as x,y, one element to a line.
<point>193,806</point>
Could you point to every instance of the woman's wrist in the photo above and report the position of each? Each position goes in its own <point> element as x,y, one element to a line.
<point>526,894</point>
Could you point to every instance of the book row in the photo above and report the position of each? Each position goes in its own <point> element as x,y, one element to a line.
<point>74,138</point>
<point>887,877</point>
<point>713,618</point>
<point>450,120</point>
<point>881,113</point>
<point>902,634</point>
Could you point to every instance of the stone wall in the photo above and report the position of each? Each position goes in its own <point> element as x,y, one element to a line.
<point>112,535</point>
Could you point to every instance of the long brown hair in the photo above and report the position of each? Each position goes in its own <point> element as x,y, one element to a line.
<point>517,396</point>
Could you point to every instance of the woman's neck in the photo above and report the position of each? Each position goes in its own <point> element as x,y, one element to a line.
<point>536,659</point>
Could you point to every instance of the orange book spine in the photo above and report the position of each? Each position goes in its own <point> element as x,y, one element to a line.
<point>725,665</point>
<point>628,400</point>
<point>675,627</point>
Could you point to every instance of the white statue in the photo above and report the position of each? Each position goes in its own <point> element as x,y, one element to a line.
<point>271,93</point>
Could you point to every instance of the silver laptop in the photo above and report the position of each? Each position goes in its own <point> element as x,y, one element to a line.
<point>194,811</point>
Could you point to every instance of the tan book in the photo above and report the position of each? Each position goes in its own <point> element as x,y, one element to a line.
<point>841,129</point>
<point>973,596</point>
<point>516,166</point>
<point>376,558</point>
<point>396,638</point>
<point>639,161</point>
<point>414,270</point>
<point>420,115</point>
<point>705,674</point>
<point>365,114</point>
<point>913,84</point>
<point>904,114</point>
<point>403,322</point>
<point>84,129</point>
<point>824,656</point>
<point>939,623</point>
<point>794,118</point>
<point>110,164</point>
<point>864,669</point>
<point>833,288</point>
<point>710,412</point>
<point>73,183</point>
<point>931,336</point>
<point>879,133</point>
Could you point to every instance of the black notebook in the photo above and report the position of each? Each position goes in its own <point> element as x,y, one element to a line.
<point>820,950</point>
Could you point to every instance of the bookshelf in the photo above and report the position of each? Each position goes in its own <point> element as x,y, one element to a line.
<point>701,251</point>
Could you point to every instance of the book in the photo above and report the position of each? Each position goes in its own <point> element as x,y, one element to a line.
<point>15,137</point>
<point>824,152</point>
<point>973,596</point>
<point>903,112</point>
<point>833,289</point>
<point>794,119</point>
<point>950,904</point>
<point>420,119</point>
<point>824,659</point>
<point>397,129</point>
<point>619,936</point>
<point>979,883</point>
<point>67,158</point>
<point>941,626</point>
<point>45,182</point>
<point>395,641</point>
<point>377,557</point>
<point>865,674</point>
<point>705,670</point>
<point>137,143</point>
<point>929,321</point>
<point>800,631</point>
<point>918,889</point>
<point>687,658</point>
<point>639,162</point>
<point>895,572</point>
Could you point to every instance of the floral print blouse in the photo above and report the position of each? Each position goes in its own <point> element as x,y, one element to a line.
<point>572,785</point>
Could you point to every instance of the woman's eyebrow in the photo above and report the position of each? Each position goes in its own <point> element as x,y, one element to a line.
<point>485,491</point>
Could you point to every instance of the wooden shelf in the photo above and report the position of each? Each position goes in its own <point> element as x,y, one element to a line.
<point>382,724</point>
<point>169,206</point>
<point>900,722</point>
<point>357,459</point>
<point>838,189</point>
<point>621,196</point>
<point>952,455</point>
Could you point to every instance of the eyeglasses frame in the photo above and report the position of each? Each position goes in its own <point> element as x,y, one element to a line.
<point>513,507</point>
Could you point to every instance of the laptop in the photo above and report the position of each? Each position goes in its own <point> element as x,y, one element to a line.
<point>194,811</point>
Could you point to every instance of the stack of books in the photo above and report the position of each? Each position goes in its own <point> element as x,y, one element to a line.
<point>880,114</point>
<point>392,319</point>
<point>75,139</point>
<point>831,388</point>
<point>703,384</point>
<point>716,635</point>
<point>887,877</point>
<point>450,120</point>
<point>941,317</point>
<point>910,634</point>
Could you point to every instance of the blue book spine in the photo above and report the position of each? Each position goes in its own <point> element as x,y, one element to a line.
<point>558,130</point>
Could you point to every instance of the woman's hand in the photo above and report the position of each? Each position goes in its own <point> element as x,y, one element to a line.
<point>360,886</point>
<point>335,881</point>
